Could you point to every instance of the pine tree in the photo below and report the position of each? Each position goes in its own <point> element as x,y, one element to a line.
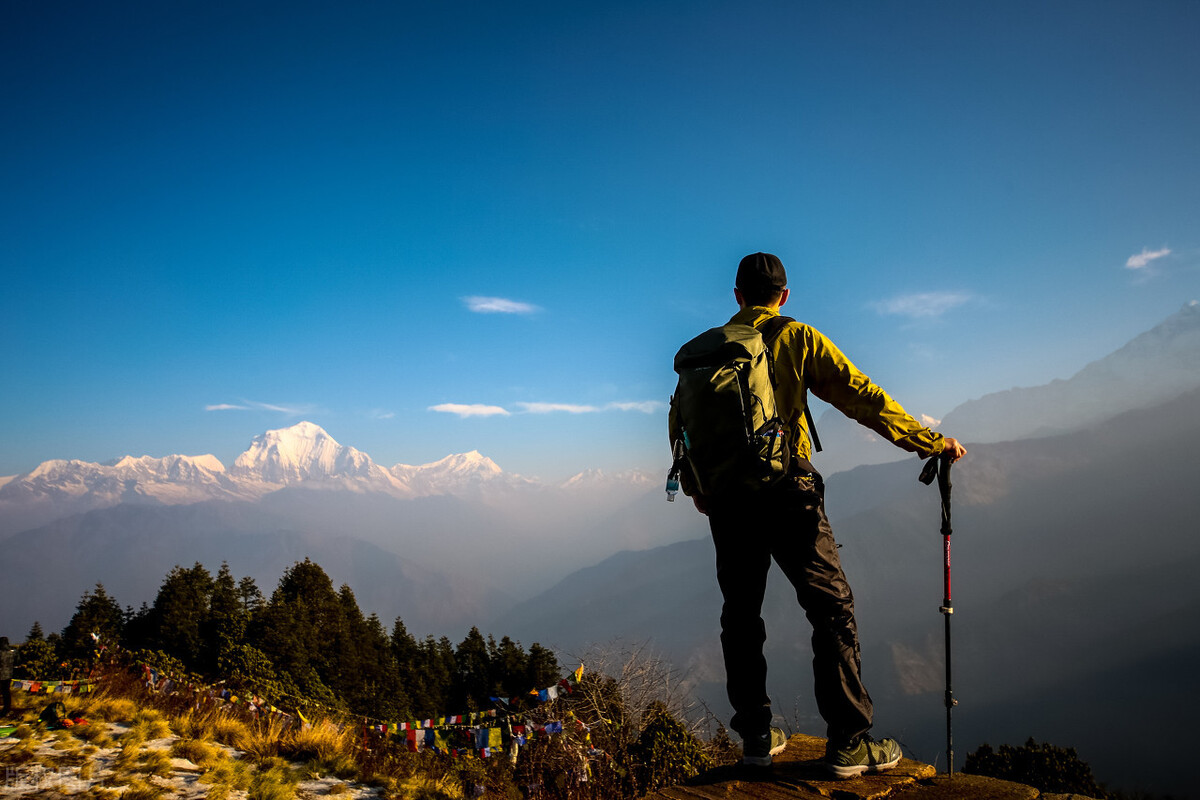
<point>543,669</point>
<point>438,659</point>
<point>139,628</point>
<point>300,625</point>
<point>510,668</point>
<point>98,614</point>
<point>472,673</point>
<point>227,620</point>
<point>180,614</point>
<point>252,599</point>
<point>412,671</point>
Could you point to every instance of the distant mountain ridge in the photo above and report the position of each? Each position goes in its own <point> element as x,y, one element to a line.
<point>1152,368</point>
<point>301,456</point>
<point>459,533</point>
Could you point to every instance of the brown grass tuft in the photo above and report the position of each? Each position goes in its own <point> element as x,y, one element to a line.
<point>141,790</point>
<point>200,752</point>
<point>230,731</point>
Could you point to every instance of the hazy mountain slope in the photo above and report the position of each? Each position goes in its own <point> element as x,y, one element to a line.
<point>1074,559</point>
<point>666,593</point>
<point>130,549</point>
<point>1154,367</point>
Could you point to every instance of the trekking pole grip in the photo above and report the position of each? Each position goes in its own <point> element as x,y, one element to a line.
<point>944,487</point>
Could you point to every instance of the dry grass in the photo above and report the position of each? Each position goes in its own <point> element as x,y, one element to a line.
<point>64,740</point>
<point>127,724</point>
<point>127,758</point>
<point>156,762</point>
<point>141,790</point>
<point>194,724</point>
<point>148,724</point>
<point>23,753</point>
<point>275,780</point>
<point>217,792</point>
<point>102,706</point>
<point>422,788</point>
<point>326,749</point>
<point>201,752</point>
<point>227,773</point>
<point>264,738</point>
<point>230,731</point>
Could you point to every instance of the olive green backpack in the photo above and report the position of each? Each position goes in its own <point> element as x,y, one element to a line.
<point>732,437</point>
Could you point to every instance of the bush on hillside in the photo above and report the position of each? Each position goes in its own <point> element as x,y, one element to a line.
<point>1042,766</point>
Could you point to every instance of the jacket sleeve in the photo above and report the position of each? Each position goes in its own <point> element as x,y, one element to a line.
<point>833,378</point>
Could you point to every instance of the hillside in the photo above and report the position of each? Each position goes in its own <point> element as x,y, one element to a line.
<point>1153,368</point>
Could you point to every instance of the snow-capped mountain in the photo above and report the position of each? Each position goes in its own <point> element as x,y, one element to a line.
<point>306,454</point>
<point>597,478</point>
<point>453,471</point>
<point>60,488</point>
<point>303,456</point>
<point>189,478</point>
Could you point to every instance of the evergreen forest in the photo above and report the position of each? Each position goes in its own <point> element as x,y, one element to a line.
<point>307,644</point>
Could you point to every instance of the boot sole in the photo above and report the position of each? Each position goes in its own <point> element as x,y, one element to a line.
<point>859,769</point>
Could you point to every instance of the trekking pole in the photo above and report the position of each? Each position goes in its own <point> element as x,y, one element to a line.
<point>939,467</point>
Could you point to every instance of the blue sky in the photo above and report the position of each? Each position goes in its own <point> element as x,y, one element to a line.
<point>221,218</point>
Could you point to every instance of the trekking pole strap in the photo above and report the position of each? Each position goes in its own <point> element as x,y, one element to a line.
<point>938,468</point>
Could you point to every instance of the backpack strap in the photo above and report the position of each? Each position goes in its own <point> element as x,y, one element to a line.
<point>771,330</point>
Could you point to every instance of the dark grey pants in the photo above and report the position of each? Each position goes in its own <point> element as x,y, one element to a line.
<point>787,523</point>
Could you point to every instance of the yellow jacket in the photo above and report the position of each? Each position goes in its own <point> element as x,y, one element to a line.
<point>807,361</point>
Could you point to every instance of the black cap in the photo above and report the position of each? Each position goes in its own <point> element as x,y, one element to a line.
<point>760,272</point>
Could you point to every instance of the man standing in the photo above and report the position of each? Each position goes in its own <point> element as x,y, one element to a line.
<point>785,519</point>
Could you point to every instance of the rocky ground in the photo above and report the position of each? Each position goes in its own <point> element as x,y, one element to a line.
<point>799,775</point>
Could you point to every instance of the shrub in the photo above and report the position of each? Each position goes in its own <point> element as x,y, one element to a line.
<point>666,752</point>
<point>1042,766</point>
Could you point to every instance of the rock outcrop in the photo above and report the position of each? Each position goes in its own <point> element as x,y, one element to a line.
<point>799,775</point>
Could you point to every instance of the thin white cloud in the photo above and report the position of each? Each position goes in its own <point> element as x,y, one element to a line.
<point>250,405</point>
<point>1142,260</point>
<point>922,305</point>
<point>498,305</point>
<point>481,410</point>
<point>929,421</point>
<point>379,413</point>
<point>465,410</point>
<point>550,408</point>
<point>293,411</point>
<point>646,406</point>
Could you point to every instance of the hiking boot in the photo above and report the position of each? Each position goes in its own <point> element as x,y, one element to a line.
<point>861,755</point>
<point>757,750</point>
